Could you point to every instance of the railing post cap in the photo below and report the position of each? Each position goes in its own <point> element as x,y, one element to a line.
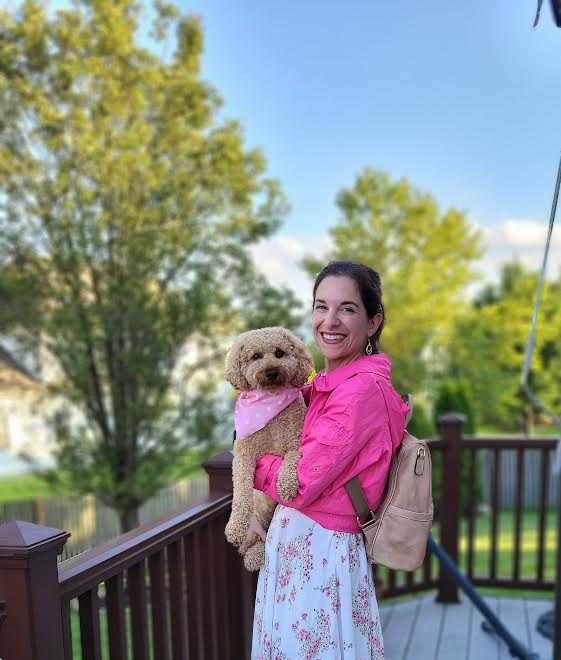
<point>452,418</point>
<point>220,461</point>
<point>20,538</point>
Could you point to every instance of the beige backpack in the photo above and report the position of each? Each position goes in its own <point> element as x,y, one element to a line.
<point>396,534</point>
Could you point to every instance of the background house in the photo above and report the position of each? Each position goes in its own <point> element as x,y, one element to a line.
<point>24,409</point>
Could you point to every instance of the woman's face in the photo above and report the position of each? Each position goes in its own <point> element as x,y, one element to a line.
<point>339,321</point>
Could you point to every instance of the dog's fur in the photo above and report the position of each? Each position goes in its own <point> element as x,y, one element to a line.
<point>251,364</point>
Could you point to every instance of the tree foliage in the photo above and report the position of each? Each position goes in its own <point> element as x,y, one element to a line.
<point>126,210</point>
<point>425,258</point>
<point>489,342</point>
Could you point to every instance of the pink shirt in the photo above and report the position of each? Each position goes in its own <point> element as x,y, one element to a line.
<point>354,423</point>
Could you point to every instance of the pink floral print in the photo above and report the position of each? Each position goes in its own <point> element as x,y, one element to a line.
<point>315,596</point>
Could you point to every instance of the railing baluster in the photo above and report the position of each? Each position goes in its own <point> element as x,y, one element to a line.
<point>518,511</point>
<point>495,510</point>
<point>177,601</point>
<point>221,586</point>
<point>409,581</point>
<point>195,608</point>
<point>472,511</point>
<point>136,586</point>
<point>391,579</point>
<point>66,629</point>
<point>544,492</point>
<point>116,619</point>
<point>89,625</point>
<point>159,606</point>
<point>427,568</point>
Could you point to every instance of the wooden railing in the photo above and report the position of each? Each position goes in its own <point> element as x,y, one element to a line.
<point>452,527</point>
<point>174,589</point>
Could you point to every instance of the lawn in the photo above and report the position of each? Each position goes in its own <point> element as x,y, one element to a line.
<point>25,487</point>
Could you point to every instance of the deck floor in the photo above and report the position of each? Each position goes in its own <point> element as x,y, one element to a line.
<point>422,629</point>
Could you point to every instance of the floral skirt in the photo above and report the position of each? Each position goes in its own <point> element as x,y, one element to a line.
<point>315,596</point>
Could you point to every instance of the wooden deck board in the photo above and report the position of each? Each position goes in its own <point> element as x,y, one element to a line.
<point>425,637</point>
<point>422,629</point>
<point>399,629</point>
<point>538,643</point>
<point>455,634</point>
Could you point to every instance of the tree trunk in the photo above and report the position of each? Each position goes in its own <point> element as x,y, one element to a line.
<point>128,520</point>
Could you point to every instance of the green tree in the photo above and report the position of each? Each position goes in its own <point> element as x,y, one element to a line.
<point>126,210</point>
<point>456,396</point>
<point>425,258</point>
<point>488,346</point>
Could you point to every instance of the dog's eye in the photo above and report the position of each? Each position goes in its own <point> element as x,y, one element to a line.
<point>279,353</point>
<point>256,356</point>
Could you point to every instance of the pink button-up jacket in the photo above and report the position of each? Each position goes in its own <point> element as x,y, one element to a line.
<point>354,423</point>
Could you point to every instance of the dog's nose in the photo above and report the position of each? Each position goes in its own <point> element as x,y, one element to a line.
<point>272,374</point>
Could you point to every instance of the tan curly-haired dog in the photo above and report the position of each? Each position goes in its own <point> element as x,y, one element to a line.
<point>263,363</point>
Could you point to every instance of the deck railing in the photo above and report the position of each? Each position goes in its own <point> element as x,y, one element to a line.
<point>174,589</point>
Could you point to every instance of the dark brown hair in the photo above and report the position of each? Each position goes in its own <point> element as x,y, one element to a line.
<point>369,287</point>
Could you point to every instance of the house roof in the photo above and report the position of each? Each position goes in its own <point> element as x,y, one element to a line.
<point>19,374</point>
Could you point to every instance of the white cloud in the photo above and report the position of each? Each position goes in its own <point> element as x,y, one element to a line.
<point>278,258</point>
<point>522,239</point>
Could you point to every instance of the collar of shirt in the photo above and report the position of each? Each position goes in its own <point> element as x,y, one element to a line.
<point>377,364</point>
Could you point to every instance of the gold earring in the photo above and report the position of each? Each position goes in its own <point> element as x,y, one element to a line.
<point>369,347</point>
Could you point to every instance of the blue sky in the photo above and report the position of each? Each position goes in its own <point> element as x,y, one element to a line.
<point>462,98</point>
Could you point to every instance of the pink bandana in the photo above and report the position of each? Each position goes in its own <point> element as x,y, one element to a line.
<point>256,409</point>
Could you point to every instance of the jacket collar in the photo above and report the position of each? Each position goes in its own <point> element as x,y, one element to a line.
<point>377,364</point>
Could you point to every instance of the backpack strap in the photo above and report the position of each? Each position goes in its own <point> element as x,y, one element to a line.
<point>408,401</point>
<point>360,505</point>
<point>353,487</point>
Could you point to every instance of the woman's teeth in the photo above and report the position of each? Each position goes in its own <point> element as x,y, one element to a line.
<point>333,337</point>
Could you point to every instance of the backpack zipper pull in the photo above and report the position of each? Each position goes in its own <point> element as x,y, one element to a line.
<point>420,462</point>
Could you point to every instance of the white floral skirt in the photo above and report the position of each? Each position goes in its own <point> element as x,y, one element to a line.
<point>315,595</point>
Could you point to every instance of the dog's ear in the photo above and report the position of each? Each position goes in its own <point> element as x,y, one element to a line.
<point>233,370</point>
<point>305,361</point>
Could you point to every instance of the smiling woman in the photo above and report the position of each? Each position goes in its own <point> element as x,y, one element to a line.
<point>315,595</point>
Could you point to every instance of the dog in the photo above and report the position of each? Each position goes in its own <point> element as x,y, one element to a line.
<point>267,366</point>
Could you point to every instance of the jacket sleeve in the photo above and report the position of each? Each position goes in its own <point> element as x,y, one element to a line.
<point>354,415</point>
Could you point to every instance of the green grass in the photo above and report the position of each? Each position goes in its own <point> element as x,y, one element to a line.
<point>540,431</point>
<point>25,487</point>
<point>104,635</point>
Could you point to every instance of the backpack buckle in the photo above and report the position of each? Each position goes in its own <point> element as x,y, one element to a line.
<point>369,521</point>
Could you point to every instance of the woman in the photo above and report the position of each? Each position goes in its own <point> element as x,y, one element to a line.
<point>315,596</point>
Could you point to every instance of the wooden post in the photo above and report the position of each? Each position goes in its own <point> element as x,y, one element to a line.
<point>31,625</point>
<point>219,470</point>
<point>451,427</point>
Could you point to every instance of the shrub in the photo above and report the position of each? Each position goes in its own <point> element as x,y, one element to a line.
<point>455,396</point>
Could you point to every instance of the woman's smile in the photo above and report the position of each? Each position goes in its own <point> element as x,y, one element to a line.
<point>331,338</point>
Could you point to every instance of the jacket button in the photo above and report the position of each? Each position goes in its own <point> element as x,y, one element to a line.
<point>316,468</point>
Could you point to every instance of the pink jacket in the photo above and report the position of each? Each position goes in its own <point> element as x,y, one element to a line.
<point>354,424</point>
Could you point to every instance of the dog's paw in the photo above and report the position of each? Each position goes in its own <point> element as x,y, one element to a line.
<point>287,486</point>
<point>235,533</point>
<point>254,557</point>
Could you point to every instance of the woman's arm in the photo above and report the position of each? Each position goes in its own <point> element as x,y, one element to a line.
<point>354,414</point>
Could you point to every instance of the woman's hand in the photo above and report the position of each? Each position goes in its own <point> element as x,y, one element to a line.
<point>255,531</point>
